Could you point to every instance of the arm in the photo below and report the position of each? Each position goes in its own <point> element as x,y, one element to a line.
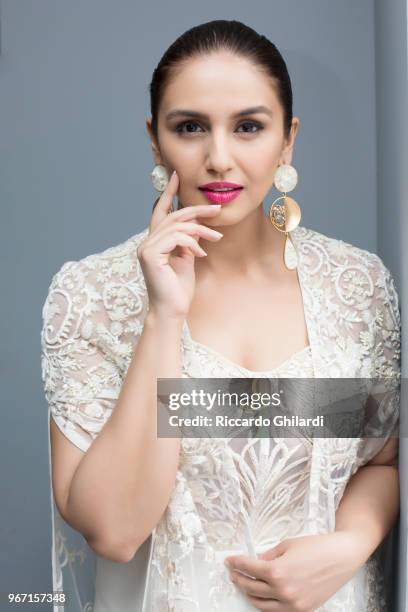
<point>123,483</point>
<point>367,512</point>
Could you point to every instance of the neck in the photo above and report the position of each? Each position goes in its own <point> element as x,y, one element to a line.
<point>247,247</point>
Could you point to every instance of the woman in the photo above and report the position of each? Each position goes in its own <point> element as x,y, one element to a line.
<point>278,524</point>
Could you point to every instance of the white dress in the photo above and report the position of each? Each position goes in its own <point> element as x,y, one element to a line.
<point>230,496</point>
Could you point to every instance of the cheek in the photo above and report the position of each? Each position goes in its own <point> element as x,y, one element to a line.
<point>176,148</point>
<point>265,160</point>
<point>262,161</point>
<point>187,163</point>
<point>262,173</point>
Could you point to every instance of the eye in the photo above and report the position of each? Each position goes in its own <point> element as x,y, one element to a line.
<point>252,124</point>
<point>187,127</point>
<point>186,124</point>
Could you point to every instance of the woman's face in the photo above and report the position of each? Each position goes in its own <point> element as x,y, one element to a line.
<point>217,144</point>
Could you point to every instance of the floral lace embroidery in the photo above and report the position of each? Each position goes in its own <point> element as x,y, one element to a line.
<point>93,317</point>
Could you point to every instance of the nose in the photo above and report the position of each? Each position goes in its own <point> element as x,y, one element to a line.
<point>218,154</point>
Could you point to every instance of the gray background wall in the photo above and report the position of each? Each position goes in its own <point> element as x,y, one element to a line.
<point>392,182</point>
<point>74,177</point>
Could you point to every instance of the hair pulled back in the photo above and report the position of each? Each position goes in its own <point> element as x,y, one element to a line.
<point>217,35</point>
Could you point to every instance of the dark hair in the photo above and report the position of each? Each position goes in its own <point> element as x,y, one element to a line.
<point>217,35</point>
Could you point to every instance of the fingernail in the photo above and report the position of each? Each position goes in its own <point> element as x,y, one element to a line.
<point>173,173</point>
<point>227,563</point>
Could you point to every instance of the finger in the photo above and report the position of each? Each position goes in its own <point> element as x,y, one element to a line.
<point>170,241</point>
<point>257,568</point>
<point>198,231</point>
<point>194,228</point>
<point>257,588</point>
<point>267,605</point>
<point>273,553</point>
<point>163,205</point>
<point>192,212</point>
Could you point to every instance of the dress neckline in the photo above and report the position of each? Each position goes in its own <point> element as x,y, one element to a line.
<point>253,373</point>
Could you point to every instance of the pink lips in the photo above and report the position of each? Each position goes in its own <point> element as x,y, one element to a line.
<point>221,197</point>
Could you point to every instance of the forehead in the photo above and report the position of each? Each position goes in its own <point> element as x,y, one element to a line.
<point>219,82</point>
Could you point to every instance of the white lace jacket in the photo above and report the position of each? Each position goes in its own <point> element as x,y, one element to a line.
<point>92,319</point>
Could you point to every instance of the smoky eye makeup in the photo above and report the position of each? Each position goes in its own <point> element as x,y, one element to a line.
<point>250,126</point>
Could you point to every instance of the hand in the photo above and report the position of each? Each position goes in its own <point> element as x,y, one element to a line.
<point>167,254</point>
<point>299,574</point>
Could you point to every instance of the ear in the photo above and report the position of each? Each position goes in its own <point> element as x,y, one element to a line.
<point>287,151</point>
<point>155,147</point>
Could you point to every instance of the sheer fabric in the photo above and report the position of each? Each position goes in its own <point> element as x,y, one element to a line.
<point>229,496</point>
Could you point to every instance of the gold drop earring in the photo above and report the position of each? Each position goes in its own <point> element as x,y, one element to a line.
<point>284,212</point>
<point>160,180</point>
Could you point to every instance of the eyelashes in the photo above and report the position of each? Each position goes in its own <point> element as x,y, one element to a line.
<point>179,128</point>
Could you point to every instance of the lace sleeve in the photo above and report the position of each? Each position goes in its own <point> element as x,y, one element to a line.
<point>383,411</point>
<point>87,340</point>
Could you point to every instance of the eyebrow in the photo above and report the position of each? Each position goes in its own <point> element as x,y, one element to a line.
<point>180,112</point>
